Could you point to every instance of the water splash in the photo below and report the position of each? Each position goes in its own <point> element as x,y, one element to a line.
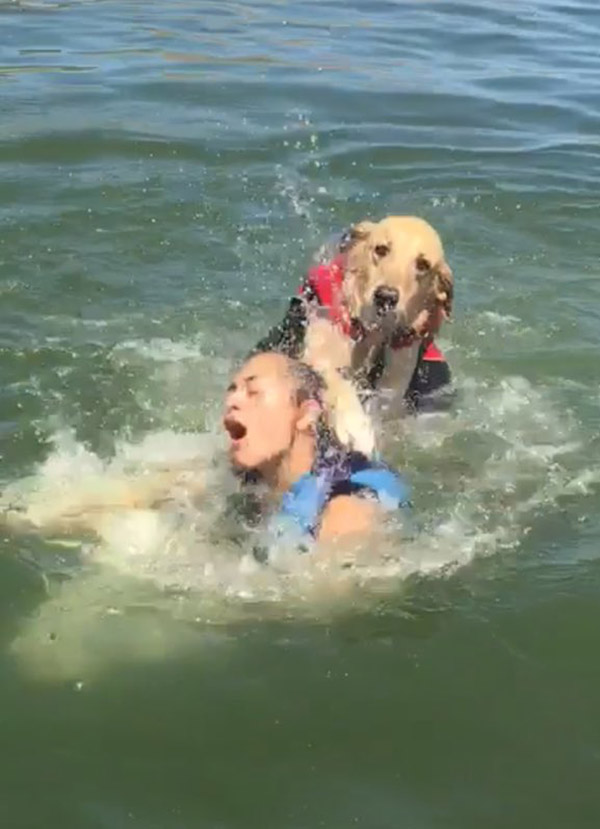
<point>157,575</point>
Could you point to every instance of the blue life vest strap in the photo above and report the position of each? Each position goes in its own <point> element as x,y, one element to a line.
<point>305,501</point>
<point>388,487</point>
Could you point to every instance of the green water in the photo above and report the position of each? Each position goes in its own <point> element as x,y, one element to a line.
<point>166,172</point>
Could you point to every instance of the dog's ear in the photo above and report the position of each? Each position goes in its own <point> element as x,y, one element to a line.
<point>355,233</point>
<point>361,231</point>
<point>444,286</point>
<point>443,281</point>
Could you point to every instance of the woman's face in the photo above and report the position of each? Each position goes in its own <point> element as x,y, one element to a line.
<point>261,411</point>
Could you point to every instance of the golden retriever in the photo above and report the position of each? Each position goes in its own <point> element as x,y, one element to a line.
<point>362,319</point>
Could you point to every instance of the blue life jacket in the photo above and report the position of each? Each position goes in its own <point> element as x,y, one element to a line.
<point>297,522</point>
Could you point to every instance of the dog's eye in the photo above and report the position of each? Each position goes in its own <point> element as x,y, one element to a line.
<point>423,264</point>
<point>381,250</point>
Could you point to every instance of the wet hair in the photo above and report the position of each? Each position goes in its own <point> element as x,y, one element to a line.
<point>330,455</point>
<point>309,384</point>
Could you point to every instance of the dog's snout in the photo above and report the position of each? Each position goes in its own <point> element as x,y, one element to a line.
<point>386,298</point>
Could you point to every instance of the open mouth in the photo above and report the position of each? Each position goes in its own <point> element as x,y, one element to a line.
<point>235,429</point>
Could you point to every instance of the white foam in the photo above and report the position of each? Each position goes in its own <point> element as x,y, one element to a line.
<point>501,320</point>
<point>162,349</point>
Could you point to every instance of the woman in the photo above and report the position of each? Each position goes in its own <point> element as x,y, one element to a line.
<point>279,443</point>
<point>297,483</point>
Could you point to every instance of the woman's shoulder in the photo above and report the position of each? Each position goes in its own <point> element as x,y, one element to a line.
<point>347,515</point>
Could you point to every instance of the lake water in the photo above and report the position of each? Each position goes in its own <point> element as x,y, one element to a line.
<point>167,171</point>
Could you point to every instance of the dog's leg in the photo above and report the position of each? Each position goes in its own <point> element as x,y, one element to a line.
<point>348,417</point>
<point>329,352</point>
<point>395,379</point>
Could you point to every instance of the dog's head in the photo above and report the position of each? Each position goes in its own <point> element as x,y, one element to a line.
<point>396,275</point>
